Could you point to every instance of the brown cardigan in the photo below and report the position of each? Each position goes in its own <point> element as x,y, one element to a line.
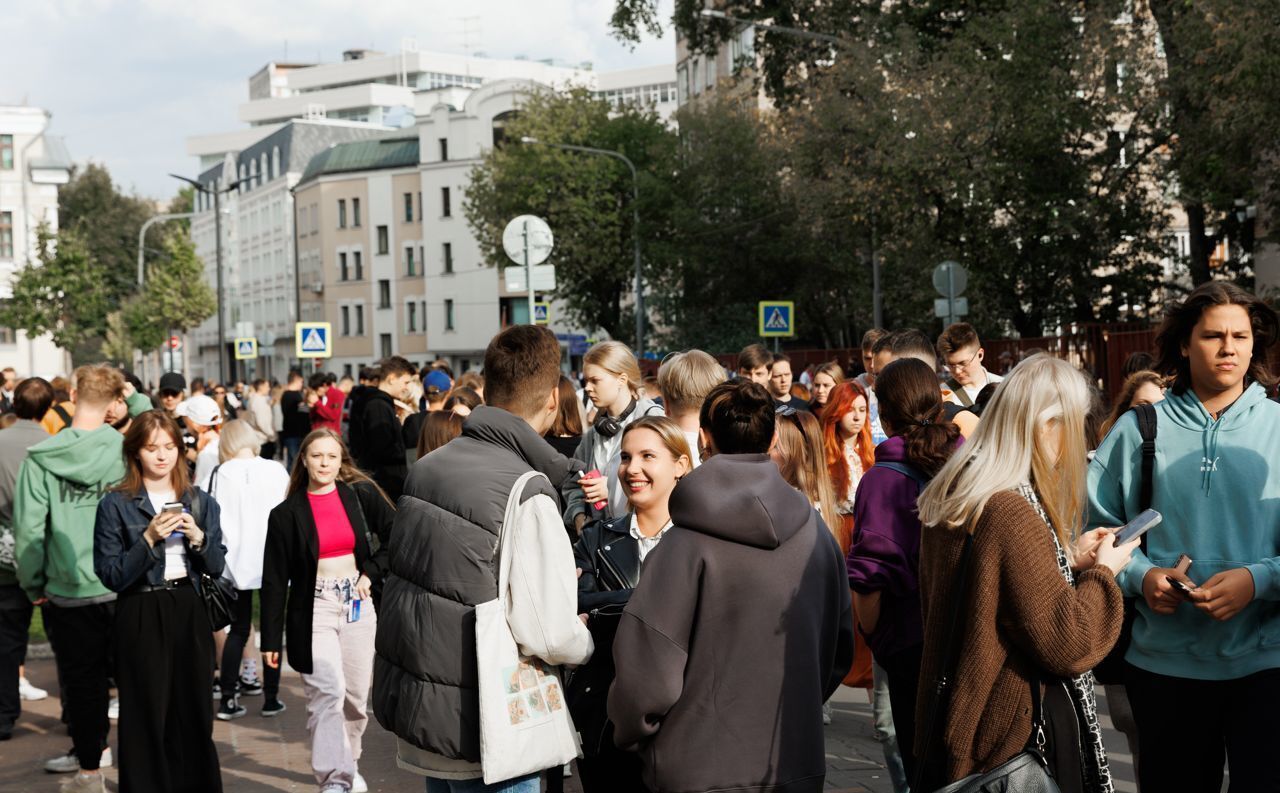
<point>1020,612</point>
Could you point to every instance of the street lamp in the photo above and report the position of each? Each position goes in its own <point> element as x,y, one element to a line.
<point>877,301</point>
<point>217,193</point>
<point>142,234</point>
<point>635,224</point>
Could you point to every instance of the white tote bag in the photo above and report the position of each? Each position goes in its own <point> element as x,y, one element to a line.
<point>525,725</point>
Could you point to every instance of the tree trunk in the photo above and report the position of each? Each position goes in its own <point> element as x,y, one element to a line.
<point>1201,245</point>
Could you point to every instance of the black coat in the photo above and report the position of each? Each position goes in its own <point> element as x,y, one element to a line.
<point>292,553</point>
<point>378,442</point>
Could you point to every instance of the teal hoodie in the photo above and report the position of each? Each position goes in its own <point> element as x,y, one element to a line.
<point>1220,499</point>
<point>55,506</point>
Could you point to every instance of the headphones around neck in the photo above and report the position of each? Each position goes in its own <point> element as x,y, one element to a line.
<point>608,426</point>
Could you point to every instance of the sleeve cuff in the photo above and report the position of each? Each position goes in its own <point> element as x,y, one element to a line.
<point>1131,577</point>
<point>1263,580</point>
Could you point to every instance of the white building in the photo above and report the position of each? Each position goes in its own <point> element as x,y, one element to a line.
<point>32,166</point>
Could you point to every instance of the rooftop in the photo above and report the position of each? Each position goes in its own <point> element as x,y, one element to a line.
<point>398,151</point>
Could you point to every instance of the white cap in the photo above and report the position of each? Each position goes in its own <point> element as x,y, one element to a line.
<point>201,409</point>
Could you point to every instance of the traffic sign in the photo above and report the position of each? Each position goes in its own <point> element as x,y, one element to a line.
<point>948,308</point>
<point>544,278</point>
<point>777,318</point>
<point>950,279</point>
<point>541,313</point>
<point>529,229</point>
<point>175,343</point>
<point>246,349</point>
<point>313,339</point>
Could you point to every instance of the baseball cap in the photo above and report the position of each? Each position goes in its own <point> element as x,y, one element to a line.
<point>173,381</point>
<point>201,409</point>
<point>438,380</point>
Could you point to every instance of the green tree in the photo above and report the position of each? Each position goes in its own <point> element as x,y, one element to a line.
<point>586,199</point>
<point>60,293</point>
<point>176,296</point>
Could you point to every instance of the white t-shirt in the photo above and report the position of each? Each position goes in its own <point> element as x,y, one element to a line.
<point>175,551</point>
<point>695,459</point>
<point>206,461</point>
<point>247,489</point>
<point>972,390</point>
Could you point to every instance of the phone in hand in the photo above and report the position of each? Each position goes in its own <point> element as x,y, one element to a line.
<point>1182,588</point>
<point>174,508</point>
<point>1139,526</point>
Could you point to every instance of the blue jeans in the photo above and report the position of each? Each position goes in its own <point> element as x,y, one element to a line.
<point>524,784</point>
<point>291,446</point>
<point>884,732</point>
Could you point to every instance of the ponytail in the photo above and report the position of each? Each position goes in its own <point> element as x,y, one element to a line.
<point>911,402</point>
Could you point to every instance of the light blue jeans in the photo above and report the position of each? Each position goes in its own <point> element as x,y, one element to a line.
<point>524,784</point>
<point>882,714</point>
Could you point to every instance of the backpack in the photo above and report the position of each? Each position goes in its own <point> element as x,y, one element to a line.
<point>1112,669</point>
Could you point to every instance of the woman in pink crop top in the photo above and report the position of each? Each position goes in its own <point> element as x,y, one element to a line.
<point>321,572</point>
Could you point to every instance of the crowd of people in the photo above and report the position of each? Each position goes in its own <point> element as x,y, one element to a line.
<point>687,566</point>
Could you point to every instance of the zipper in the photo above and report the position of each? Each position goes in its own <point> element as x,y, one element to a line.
<point>617,574</point>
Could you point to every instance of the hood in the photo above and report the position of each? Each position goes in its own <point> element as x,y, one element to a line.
<point>80,456</point>
<point>892,450</point>
<point>503,428</point>
<point>741,498</point>
<point>1188,411</point>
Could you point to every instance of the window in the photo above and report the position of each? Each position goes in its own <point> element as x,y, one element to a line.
<point>384,293</point>
<point>342,213</point>
<point>412,316</point>
<point>446,208</point>
<point>360,319</point>
<point>355,213</point>
<point>6,152</point>
<point>444,150</point>
<point>346,320</point>
<point>385,343</point>
<point>408,207</point>
<point>275,162</point>
<point>448,257</point>
<point>383,240</point>
<point>302,220</point>
<point>343,275</point>
<point>410,267</point>
<point>347,370</point>
<point>6,235</point>
<point>448,314</point>
<point>359,266</point>
<point>419,206</point>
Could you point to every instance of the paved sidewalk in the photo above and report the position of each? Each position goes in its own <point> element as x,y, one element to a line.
<point>260,754</point>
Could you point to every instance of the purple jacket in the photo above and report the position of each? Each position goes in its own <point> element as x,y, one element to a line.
<point>885,556</point>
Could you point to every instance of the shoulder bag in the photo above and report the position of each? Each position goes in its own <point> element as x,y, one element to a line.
<point>525,725</point>
<point>218,594</point>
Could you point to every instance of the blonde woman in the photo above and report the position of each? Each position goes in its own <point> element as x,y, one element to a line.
<point>825,378</point>
<point>1042,603</point>
<point>802,462</point>
<point>613,385</point>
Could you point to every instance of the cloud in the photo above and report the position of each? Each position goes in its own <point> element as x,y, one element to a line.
<point>128,81</point>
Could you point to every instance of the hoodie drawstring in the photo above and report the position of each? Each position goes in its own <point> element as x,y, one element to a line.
<point>1211,456</point>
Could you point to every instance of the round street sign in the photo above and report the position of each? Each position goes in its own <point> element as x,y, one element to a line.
<point>950,276</point>
<point>175,342</point>
<point>540,239</point>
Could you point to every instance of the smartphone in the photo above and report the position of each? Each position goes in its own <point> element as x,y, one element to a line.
<point>1182,588</point>
<point>1138,526</point>
<point>174,508</point>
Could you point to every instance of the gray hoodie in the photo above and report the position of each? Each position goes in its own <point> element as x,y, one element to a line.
<point>14,443</point>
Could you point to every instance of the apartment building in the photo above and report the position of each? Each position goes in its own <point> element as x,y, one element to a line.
<point>32,166</point>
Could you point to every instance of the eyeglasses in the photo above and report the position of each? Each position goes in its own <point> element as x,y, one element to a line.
<point>966,364</point>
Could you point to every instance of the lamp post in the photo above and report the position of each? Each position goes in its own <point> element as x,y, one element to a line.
<point>142,235</point>
<point>635,224</point>
<point>877,301</point>
<point>217,193</point>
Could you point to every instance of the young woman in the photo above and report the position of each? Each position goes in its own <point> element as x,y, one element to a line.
<point>247,487</point>
<point>654,456</point>
<point>1037,608</point>
<point>884,559</point>
<point>825,378</point>
<point>438,429</point>
<point>801,460</point>
<point>1140,388</point>
<point>613,386</point>
<point>462,400</point>
<point>153,554</point>
<point>847,448</point>
<point>566,433</point>
<point>1208,658</point>
<point>326,553</point>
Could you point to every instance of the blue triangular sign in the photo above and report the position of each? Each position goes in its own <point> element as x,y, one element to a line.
<point>777,321</point>
<point>313,340</point>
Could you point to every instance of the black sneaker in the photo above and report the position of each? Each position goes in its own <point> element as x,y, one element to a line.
<point>231,709</point>
<point>250,688</point>
<point>272,707</point>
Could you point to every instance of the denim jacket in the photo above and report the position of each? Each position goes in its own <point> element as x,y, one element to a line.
<point>123,560</point>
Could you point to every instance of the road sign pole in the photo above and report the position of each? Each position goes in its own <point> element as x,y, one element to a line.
<point>951,295</point>
<point>528,275</point>
<point>168,340</point>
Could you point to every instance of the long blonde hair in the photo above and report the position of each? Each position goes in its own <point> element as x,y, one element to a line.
<point>617,359</point>
<point>804,463</point>
<point>1005,450</point>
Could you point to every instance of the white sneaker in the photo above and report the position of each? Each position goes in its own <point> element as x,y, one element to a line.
<point>358,785</point>
<point>826,713</point>
<point>69,763</point>
<point>30,693</point>
<point>113,710</point>
<point>84,783</point>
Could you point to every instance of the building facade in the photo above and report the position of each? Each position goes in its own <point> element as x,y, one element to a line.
<point>32,167</point>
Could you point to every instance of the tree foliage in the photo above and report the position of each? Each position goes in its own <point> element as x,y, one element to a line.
<point>176,296</point>
<point>61,293</point>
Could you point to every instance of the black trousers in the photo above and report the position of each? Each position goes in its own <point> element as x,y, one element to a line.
<point>268,451</point>
<point>81,639</point>
<point>1188,729</point>
<point>612,770</point>
<point>15,624</point>
<point>903,670</point>
<point>233,648</point>
<point>164,671</point>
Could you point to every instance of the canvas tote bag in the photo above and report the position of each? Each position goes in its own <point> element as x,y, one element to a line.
<point>525,725</point>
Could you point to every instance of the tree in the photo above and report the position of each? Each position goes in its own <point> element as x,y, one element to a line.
<point>107,220</point>
<point>60,293</point>
<point>176,296</point>
<point>586,199</point>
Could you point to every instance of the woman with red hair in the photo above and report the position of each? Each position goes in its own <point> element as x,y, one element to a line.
<point>846,439</point>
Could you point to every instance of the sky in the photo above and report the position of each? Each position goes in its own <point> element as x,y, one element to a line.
<point>127,81</point>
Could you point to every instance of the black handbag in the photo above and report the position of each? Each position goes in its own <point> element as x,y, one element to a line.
<point>218,594</point>
<point>1026,772</point>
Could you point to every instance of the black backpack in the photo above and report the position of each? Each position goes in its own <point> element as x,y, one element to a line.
<point>1112,669</point>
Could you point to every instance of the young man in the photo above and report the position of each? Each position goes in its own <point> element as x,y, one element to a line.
<point>203,419</point>
<point>377,436</point>
<point>443,563</point>
<point>780,383</point>
<point>8,382</point>
<point>297,421</point>
<point>31,400</point>
<point>685,379</point>
<point>357,396</point>
<point>868,382</point>
<point>741,626</point>
<point>55,506</point>
<point>753,364</point>
<point>325,402</point>
<point>258,413</point>
<point>961,351</point>
<point>912,343</point>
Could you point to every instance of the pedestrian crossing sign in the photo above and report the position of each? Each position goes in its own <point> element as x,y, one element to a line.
<point>313,340</point>
<point>777,318</point>
<point>246,349</point>
<point>541,313</point>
